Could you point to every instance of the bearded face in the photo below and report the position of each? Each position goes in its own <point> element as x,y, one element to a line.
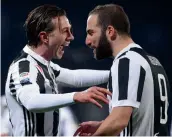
<point>103,49</point>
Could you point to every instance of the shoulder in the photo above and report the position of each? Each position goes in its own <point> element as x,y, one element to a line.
<point>132,58</point>
<point>55,66</point>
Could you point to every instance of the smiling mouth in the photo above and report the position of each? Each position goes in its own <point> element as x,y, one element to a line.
<point>61,48</point>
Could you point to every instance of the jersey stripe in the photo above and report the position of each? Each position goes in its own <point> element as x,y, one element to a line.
<point>40,116</point>
<point>12,87</point>
<point>22,55</point>
<point>141,83</point>
<point>33,124</point>
<point>55,123</point>
<point>123,76</point>
<point>23,66</point>
<point>25,121</point>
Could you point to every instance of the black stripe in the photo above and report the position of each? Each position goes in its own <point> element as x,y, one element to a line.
<point>141,83</point>
<point>12,87</point>
<point>33,126</point>
<point>131,130</point>
<point>55,122</point>
<point>24,66</point>
<point>128,129</point>
<point>123,77</point>
<point>22,55</point>
<point>29,123</point>
<point>40,81</point>
<point>110,82</point>
<point>122,54</point>
<point>55,114</point>
<point>40,124</point>
<point>11,80</point>
<point>124,132</point>
<point>45,70</point>
<point>40,116</point>
<point>47,75</point>
<point>56,73</point>
<point>13,91</point>
<point>25,121</point>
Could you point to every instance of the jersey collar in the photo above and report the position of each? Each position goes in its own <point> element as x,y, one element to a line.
<point>131,45</point>
<point>35,55</point>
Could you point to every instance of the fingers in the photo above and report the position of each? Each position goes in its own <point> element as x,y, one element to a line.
<point>95,102</point>
<point>86,123</point>
<point>85,134</point>
<point>77,131</point>
<point>101,98</point>
<point>100,94</point>
<point>103,90</point>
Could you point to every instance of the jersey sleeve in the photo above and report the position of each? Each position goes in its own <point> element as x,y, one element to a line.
<point>23,74</point>
<point>80,77</point>
<point>127,83</point>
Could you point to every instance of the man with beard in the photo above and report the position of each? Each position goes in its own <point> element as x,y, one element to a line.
<point>31,88</point>
<point>139,85</point>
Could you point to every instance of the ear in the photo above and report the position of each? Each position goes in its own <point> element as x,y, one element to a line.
<point>111,32</point>
<point>43,36</point>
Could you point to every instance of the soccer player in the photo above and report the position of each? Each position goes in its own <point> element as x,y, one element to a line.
<point>31,87</point>
<point>139,84</point>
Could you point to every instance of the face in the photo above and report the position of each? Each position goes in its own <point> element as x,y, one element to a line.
<point>60,37</point>
<point>97,39</point>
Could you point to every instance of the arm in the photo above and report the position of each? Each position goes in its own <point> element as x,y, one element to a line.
<point>115,122</point>
<point>28,88</point>
<point>80,77</point>
<point>127,84</point>
<point>30,97</point>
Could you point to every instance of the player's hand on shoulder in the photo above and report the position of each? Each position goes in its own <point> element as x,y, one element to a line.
<point>92,95</point>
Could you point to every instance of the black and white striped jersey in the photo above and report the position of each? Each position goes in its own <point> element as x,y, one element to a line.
<point>31,74</point>
<point>139,80</point>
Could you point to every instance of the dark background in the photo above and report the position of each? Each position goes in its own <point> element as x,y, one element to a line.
<point>151,27</point>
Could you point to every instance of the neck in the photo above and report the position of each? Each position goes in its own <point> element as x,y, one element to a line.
<point>120,43</point>
<point>43,51</point>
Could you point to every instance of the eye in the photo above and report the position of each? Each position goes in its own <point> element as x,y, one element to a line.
<point>67,31</point>
<point>90,32</point>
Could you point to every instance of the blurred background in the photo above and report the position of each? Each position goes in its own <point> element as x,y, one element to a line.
<point>151,27</point>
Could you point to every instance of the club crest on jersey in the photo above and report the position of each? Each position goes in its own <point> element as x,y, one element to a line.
<point>24,78</point>
<point>24,74</point>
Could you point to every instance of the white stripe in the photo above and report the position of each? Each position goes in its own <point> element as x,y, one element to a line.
<point>134,74</point>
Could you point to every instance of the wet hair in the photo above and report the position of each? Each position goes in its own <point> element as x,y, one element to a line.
<point>40,19</point>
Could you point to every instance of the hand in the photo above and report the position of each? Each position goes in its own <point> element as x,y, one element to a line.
<point>4,134</point>
<point>87,128</point>
<point>91,95</point>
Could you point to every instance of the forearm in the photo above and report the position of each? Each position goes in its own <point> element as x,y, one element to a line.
<point>83,78</point>
<point>109,127</point>
<point>36,102</point>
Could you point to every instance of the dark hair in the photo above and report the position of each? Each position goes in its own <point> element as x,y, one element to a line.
<point>40,19</point>
<point>111,14</point>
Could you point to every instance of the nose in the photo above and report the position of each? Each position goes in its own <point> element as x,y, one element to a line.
<point>88,42</point>
<point>70,37</point>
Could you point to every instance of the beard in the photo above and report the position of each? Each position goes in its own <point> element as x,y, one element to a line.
<point>104,49</point>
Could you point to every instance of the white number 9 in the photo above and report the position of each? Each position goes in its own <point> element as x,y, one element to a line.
<point>164,99</point>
